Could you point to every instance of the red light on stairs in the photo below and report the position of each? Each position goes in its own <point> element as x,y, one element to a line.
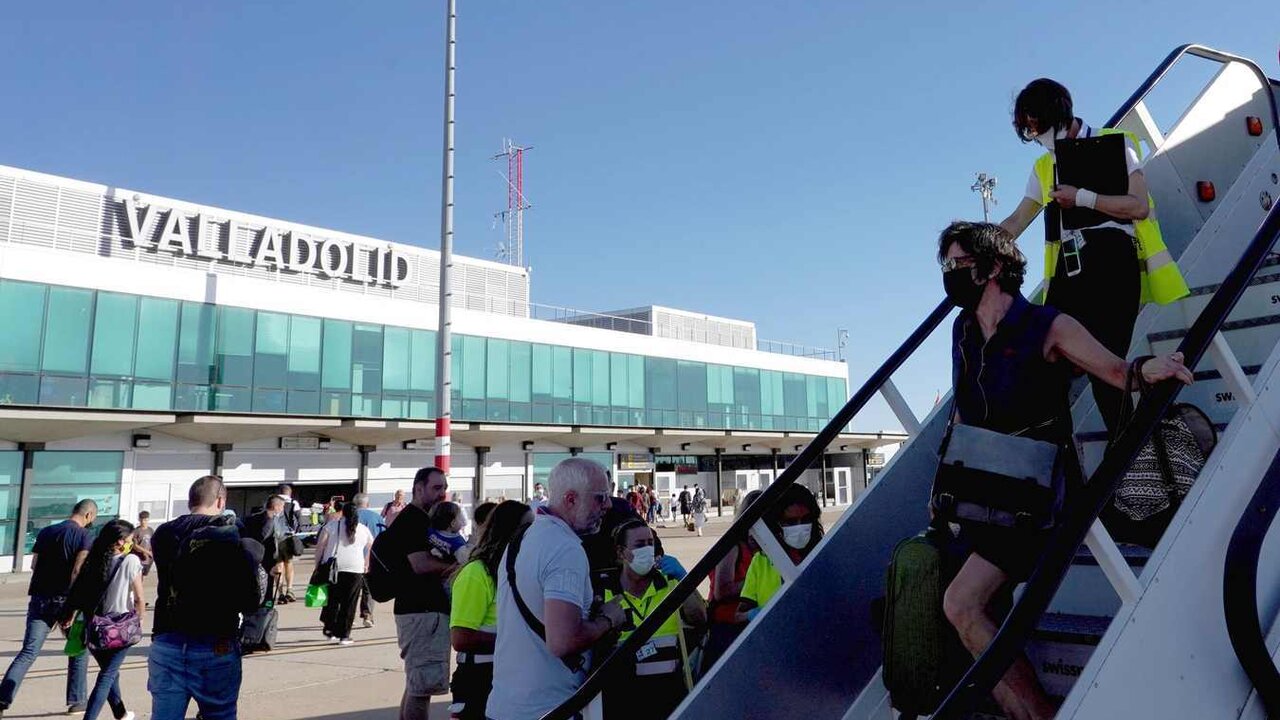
<point>1254,124</point>
<point>1206,191</point>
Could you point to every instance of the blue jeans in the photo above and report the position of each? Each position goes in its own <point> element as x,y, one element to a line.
<point>107,687</point>
<point>181,667</point>
<point>41,616</point>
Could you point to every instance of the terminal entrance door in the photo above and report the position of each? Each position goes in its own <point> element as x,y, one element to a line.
<point>844,485</point>
<point>248,499</point>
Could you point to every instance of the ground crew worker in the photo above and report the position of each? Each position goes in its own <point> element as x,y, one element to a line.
<point>473,613</point>
<point>661,676</point>
<point>796,521</point>
<point>1120,262</point>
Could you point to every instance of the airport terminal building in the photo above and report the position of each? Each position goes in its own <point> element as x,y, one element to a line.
<point>146,341</point>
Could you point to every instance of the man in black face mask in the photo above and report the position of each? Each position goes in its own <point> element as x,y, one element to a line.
<point>1011,368</point>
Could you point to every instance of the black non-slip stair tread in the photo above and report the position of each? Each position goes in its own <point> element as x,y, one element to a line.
<point>1100,436</point>
<point>1066,627</point>
<point>1228,326</point>
<point>1272,261</point>
<point>1135,555</point>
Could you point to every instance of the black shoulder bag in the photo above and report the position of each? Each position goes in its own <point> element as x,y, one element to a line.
<point>574,662</point>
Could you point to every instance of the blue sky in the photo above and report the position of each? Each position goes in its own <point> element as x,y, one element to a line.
<point>786,163</point>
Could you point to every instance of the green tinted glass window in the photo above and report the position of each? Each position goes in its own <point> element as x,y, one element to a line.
<point>542,373</point>
<point>114,326</point>
<point>395,359</point>
<point>635,382</point>
<point>21,322</point>
<point>195,343</point>
<point>520,370</point>
<point>599,378</point>
<point>10,481</point>
<point>691,392</point>
<point>422,377</point>
<point>303,366</point>
<point>157,339</point>
<point>561,373</point>
<point>66,330</point>
<point>336,356</point>
<point>473,368</point>
<point>61,479</point>
<point>271,350</point>
<point>581,376</point>
<point>618,377</point>
<point>498,369</point>
<point>234,354</point>
<point>660,383</point>
<point>746,390</point>
<point>366,359</point>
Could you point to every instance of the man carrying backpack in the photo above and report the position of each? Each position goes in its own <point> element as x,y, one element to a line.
<point>206,581</point>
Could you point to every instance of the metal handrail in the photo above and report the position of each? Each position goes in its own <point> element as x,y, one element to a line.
<point>1240,589</point>
<point>625,652</point>
<point>1083,512</point>
<point>1002,649</point>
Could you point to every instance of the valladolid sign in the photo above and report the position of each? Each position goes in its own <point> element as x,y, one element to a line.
<point>167,230</point>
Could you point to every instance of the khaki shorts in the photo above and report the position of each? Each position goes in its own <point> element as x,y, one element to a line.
<point>424,647</point>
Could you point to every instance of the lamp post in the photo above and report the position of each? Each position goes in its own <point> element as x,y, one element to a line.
<point>444,337</point>
<point>986,187</point>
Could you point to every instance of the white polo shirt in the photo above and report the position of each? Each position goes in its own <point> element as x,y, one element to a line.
<point>1132,162</point>
<point>528,679</point>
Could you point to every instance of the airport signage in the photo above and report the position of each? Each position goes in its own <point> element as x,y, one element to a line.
<point>194,235</point>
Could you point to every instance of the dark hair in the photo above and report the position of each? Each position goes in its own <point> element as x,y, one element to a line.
<point>1045,102</point>
<point>274,500</point>
<point>796,495</point>
<point>620,532</point>
<point>144,515</point>
<point>442,515</point>
<point>423,476</point>
<point>84,507</point>
<point>351,514</point>
<point>86,592</point>
<point>503,523</point>
<point>987,244</point>
<point>483,510</point>
<point>205,492</point>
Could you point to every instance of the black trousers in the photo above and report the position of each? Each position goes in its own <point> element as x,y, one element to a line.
<point>471,684</point>
<point>366,602</point>
<point>1105,297</point>
<point>344,599</point>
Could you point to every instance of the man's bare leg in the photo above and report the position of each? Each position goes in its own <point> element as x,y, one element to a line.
<point>1019,693</point>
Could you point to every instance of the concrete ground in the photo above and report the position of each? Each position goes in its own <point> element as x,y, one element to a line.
<point>304,677</point>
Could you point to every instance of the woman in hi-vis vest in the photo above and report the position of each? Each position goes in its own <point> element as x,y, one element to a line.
<point>1101,274</point>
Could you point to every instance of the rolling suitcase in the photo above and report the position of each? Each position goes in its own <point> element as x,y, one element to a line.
<point>923,656</point>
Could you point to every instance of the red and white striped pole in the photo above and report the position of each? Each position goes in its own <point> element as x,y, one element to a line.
<point>444,336</point>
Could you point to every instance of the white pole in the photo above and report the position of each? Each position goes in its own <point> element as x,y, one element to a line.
<point>444,338</point>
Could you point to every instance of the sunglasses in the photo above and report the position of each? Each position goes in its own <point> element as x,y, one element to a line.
<point>964,261</point>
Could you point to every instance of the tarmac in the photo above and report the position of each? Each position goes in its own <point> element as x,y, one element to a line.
<point>304,677</point>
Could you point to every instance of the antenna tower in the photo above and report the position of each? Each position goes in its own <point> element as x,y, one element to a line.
<point>511,249</point>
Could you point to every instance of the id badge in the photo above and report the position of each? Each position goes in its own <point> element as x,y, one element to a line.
<point>646,651</point>
<point>1072,242</point>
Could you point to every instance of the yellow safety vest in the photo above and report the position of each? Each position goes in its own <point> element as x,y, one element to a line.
<point>664,653</point>
<point>1162,282</point>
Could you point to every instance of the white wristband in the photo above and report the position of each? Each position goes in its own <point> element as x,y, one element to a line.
<point>1086,198</point>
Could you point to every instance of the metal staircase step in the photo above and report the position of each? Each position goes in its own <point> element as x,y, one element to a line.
<point>1135,555</point>
<point>1061,647</point>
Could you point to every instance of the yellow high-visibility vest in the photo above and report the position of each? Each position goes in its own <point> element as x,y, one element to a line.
<point>665,650</point>
<point>1161,280</point>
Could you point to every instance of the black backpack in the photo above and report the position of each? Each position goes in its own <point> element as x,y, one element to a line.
<point>194,590</point>
<point>385,568</point>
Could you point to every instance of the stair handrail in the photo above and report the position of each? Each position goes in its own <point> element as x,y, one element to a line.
<point>624,653</point>
<point>1240,589</point>
<point>1089,501</point>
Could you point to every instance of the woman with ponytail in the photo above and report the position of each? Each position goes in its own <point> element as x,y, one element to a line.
<point>348,543</point>
<point>110,584</point>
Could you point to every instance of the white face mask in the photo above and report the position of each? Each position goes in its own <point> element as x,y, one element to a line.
<point>642,560</point>
<point>797,536</point>
<point>1046,139</point>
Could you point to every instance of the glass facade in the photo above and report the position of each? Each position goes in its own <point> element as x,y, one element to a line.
<point>10,486</point>
<point>75,347</point>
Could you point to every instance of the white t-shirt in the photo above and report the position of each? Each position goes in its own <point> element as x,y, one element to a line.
<point>119,596</point>
<point>1132,163</point>
<point>551,565</point>
<point>350,553</point>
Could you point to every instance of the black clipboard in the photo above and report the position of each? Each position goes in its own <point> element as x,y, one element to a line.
<point>1094,163</point>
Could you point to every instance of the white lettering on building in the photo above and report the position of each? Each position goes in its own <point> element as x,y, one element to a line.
<point>199,236</point>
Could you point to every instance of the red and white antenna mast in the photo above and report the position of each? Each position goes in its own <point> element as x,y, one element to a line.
<point>511,249</point>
